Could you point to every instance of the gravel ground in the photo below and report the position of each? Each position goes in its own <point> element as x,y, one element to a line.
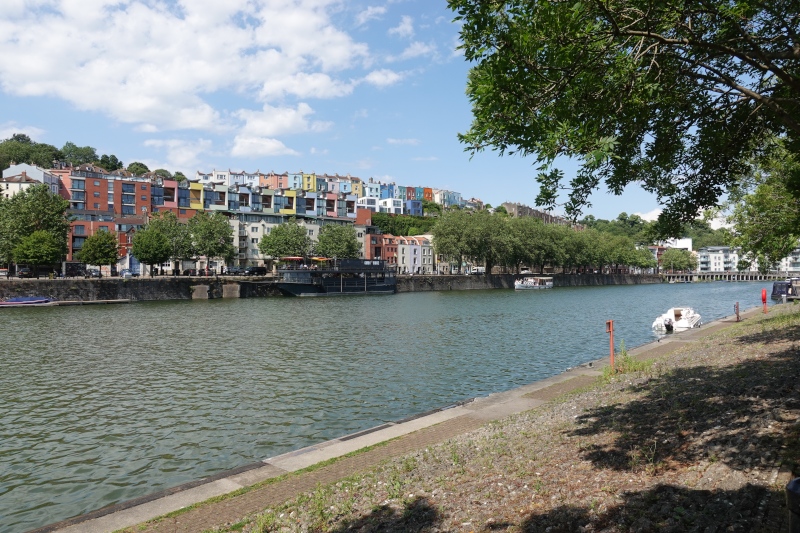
<point>703,439</point>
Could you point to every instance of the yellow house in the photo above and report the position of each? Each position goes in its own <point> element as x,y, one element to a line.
<point>289,201</point>
<point>196,195</point>
<point>309,182</point>
<point>357,187</point>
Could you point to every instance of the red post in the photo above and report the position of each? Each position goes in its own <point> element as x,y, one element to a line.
<point>764,298</point>
<point>610,331</point>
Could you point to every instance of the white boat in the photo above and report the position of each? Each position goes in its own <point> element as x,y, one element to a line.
<point>533,282</point>
<point>677,319</point>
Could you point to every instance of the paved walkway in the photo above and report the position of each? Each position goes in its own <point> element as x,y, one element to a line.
<point>389,440</point>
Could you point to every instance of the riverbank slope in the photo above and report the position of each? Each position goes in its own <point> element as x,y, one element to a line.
<point>704,438</point>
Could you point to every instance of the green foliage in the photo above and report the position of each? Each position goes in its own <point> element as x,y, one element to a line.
<point>403,225</point>
<point>151,246</point>
<point>99,249</point>
<point>676,259</point>
<point>176,233</point>
<point>164,173</point>
<point>137,168</point>
<point>110,163</point>
<point>212,235</point>
<point>34,209</point>
<point>21,149</point>
<point>673,96</point>
<point>431,208</point>
<point>179,176</point>
<point>78,155</point>
<point>338,240</point>
<point>765,213</point>
<point>286,240</point>
<point>39,248</point>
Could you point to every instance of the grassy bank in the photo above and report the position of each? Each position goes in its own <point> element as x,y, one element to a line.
<point>702,439</point>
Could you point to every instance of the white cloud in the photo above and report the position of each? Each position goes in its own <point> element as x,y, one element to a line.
<point>316,151</point>
<point>372,12</point>
<point>273,121</point>
<point>246,146</point>
<point>415,49</point>
<point>181,154</point>
<point>405,28</point>
<point>7,129</point>
<point>410,142</point>
<point>383,77</point>
<point>650,215</point>
<point>158,63</point>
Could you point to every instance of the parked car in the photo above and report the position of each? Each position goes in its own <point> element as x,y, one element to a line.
<point>127,273</point>
<point>194,272</point>
<point>92,273</point>
<point>255,271</point>
<point>24,272</point>
<point>233,271</point>
<point>4,273</point>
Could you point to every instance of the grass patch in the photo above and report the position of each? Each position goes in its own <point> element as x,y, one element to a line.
<point>625,364</point>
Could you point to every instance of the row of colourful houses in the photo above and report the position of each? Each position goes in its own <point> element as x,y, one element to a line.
<point>254,204</point>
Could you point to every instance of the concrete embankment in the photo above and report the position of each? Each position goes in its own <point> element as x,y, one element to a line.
<point>192,288</point>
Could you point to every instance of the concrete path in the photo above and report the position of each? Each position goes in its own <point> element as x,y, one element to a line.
<point>390,440</point>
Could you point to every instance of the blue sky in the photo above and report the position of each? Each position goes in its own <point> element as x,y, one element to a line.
<point>371,89</point>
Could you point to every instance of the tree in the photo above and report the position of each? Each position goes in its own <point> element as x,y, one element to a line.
<point>449,236</point>
<point>39,248</point>
<point>151,247</point>
<point>338,240</point>
<point>431,208</point>
<point>137,169</point>
<point>31,210</point>
<point>78,155</point>
<point>677,259</point>
<point>764,212</point>
<point>164,173</point>
<point>179,176</point>
<point>176,233</point>
<point>212,235</point>
<point>287,239</point>
<point>99,249</point>
<point>673,96</point>
<point>20,149</point>
<point>110,163</point>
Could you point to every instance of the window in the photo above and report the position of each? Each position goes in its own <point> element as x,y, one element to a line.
<point>128,210</point>
<point>144,186</point>
<point>254,240</point>
<point>128,188</point>
<point>110,198</point>
<point>97,206</point>
<point>254,229</point>
<point>96,194</point>
<point>311,233</point>
<point>128,199</point>
<point>144,198</point>
<point>182,211</point>
<point>78,184</point>
<point>79,230</point>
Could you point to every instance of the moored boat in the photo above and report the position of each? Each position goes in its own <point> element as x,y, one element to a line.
<point>328,277</point>
<point>19,301</point>
<point>677,319</point>
<point>787,288</point>
<point>533,282</point>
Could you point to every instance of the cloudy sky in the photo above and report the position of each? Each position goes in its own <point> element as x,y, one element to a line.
<point>371,89</point>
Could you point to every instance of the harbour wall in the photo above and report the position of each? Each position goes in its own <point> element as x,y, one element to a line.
<point>193,288</point>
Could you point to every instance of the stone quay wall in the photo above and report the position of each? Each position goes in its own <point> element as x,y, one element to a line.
<point>506,281</point>
<point>191,288</point>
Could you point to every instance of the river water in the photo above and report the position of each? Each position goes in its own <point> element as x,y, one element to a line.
<point>101,404</point>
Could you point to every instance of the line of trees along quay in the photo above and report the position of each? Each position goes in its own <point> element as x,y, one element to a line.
<point>497,240</point>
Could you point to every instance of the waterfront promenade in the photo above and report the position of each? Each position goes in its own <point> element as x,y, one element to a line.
<point>493,456</point>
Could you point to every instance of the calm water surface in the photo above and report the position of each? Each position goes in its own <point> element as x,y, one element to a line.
<point>101,404</point>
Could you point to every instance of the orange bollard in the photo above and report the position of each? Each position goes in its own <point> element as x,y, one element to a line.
<point>610,330</point>
<point>764,298</point>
